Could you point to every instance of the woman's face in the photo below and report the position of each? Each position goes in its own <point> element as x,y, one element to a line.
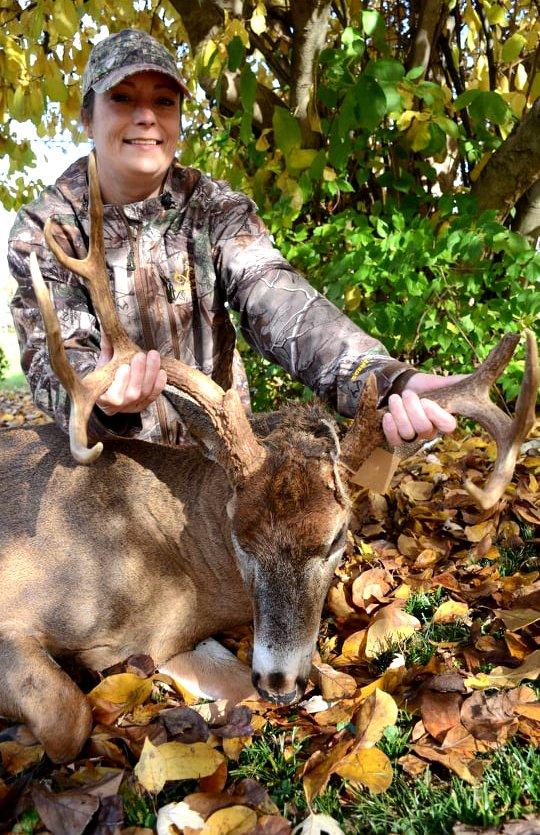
<point>135,128</point>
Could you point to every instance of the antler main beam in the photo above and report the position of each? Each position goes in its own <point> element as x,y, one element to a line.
<point>470,398</point>
<point>242,452</point>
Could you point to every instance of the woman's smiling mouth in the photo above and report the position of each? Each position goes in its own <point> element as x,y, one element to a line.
<point>143,142</point>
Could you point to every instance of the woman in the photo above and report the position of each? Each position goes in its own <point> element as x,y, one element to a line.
<point>180,248</point>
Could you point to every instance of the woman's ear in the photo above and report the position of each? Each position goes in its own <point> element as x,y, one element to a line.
<point>86,123</point>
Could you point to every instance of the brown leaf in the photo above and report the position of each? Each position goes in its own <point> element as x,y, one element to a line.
<point>249,792</point>
<point>110,816</point>
<point>215,782</point>
<point>354,646</point>
<point>337,601</point>
<point>412,765</point>
<point>417,491</point>
<point>390,625</point>
<point>238,724</point>
<point>531,826</point>
<point>333,684</point>
<point>489,717</point>
<point>185,724</point>
<point>66,813</point>
<point>450,611</point>
<point>319,768</point>
<point>271,825</point>
<point>374,583</point>
<point>368,767</point>
<point>515,619</point>
<point>379,711</point>
<point>233,746</point>
<point>468,771</point>
<point>17,757</point>
<point>440,712</point>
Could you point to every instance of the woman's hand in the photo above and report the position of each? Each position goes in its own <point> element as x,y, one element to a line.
<point>135,386</point>
<point>411,416</point>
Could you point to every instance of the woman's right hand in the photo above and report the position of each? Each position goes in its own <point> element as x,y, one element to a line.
<point>135,386</point>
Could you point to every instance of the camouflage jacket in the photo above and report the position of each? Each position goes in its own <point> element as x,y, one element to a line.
<point>176,263</point>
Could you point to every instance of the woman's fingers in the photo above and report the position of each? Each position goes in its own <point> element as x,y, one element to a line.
<point>135,386</point>
<point>410,418</point>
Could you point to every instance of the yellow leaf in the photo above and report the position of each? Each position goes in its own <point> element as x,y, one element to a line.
<point>354,646</point>
<point>186,762</point>
<point>496,15</point>
<point>391,624</point>
<point>520,78</point>
<point>258,19</point>
<point>334,684</point>
<point>122,689</point>
<point>368,766</point>
<point>233,747</point>
<point>449,611</point>
<point>151,771</point>
<point>301,158</point>
<point>329,174</point>
<point>378,712</point>
<point>234,820</point>
<point>65,18</point>
<point>353,297</point>
<point>477,532</point>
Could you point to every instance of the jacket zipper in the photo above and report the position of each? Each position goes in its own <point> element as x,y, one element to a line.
<point>140,294</point>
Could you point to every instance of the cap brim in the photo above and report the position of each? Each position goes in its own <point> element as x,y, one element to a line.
<point>118,75</point>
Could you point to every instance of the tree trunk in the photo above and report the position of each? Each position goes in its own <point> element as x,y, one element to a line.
<point>310,23</point>
<point>513,168</point>
<point>431,17</point>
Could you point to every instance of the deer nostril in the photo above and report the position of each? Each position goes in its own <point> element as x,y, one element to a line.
<point>277,698</point>
<point>276,681</point>
<point>301,684</point>
<point>255,678</point>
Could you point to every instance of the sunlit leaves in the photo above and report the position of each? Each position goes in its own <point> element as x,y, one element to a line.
<point>175,761</point>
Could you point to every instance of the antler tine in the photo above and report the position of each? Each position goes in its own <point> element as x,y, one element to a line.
<point>470,398</point>
<point>242,452</point>
<point>81,404</point>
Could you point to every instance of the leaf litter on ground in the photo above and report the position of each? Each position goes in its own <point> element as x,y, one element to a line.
<point>432,616</point>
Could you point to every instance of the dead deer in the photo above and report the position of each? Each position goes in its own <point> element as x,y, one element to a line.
<point>155,550</point>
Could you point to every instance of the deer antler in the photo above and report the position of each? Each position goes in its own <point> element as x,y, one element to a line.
<point>241,452</point>
<point>470,398</point>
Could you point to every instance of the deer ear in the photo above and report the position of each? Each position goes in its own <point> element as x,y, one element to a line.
<point>197,421</point>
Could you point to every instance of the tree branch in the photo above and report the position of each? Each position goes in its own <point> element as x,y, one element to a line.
<point>310,20</point>
<point>430,21</point>
<point>513,166</point>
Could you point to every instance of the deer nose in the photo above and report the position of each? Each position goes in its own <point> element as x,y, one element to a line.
<point>272,688</point>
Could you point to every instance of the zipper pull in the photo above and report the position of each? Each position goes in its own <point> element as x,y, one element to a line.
<point>131,259</point>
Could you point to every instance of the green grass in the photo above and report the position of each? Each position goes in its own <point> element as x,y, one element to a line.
<point>428,805</point>
<point>13,376</point>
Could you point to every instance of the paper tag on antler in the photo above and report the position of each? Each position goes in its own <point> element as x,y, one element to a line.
<point>377,471</point>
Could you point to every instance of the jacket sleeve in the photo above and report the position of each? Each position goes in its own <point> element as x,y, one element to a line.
<point>288,321</point>
<point>77,322</point>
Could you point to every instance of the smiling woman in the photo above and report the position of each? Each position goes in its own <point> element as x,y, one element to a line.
<point>135,128</point>
<point>182,248</point>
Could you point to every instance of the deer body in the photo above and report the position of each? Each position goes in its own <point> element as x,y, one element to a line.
<point>112,558</point>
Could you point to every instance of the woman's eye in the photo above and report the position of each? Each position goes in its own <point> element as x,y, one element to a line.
<point>119,97</point>
<point>166,102</point>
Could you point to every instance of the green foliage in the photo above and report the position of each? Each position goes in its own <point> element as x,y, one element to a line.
<point>3,364</point>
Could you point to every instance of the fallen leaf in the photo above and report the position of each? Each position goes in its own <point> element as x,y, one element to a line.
<point>354,646</point>
<point>185,724</point>
<point>374,583</point>
<point>477,532</point>
<point>179,815</point>
<point>17,757</point>
<point>333,684</point>
<point>187,762</point>
<point>369,767</point>
<point>318,825</point>
<point>450,611</point>
<point>65,813</point>
<point>377,712</point>
<point>440,712</point>
<point>271,825</point>
<point>234,746</point>
<point>151,770</point>
<point>417,491</point>
<point>125,689</point>
<point>515,619</point>
<point>412,765</point>
<point>238,724</point>
<point>390,625</point>
<point>454,762</point>
<point>215,782</point>
<point>530,826</point>
<point>319,768</point>
<point>235,820</point>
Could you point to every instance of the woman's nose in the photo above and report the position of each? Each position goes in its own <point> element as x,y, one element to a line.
<point>144,115</point>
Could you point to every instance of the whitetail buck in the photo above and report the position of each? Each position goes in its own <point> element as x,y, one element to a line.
<point>154,550</point>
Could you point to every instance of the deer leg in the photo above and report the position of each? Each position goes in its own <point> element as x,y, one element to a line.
<point>211,672</point>
<point>36,691</point>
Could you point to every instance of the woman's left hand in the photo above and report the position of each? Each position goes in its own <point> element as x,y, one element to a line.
<point>412,416</point>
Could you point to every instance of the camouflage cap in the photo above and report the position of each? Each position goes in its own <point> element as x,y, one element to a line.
<point>126,53</point>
